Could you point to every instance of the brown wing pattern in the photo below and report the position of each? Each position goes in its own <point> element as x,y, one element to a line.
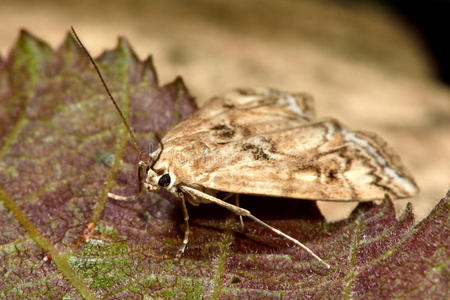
<point>267,142</point>
<point>248,112</point>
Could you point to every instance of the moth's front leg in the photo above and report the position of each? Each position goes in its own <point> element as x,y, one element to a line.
<point>142,187</point>
<point>187,230</point>
<point>135,196</point>
<point>123,198</point>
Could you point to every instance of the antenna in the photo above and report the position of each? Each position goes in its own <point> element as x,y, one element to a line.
<point>133,139</point>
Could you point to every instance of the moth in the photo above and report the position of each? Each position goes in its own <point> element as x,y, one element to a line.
<point>267,142</point>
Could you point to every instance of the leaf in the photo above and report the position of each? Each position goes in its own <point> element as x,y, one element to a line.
<point>63,148</point>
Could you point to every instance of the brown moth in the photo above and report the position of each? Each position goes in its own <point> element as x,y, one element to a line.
<point>268,142</point>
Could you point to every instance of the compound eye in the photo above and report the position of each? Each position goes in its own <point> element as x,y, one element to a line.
<point>164,181</point>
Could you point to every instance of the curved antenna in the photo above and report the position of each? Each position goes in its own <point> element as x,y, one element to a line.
<point>133,139</point>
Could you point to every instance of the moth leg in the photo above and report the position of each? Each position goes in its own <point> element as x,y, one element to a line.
<point>228,196</point>
<point>141,164</point>
<point>243,212</point>
<point>237,204</point>
<point>241,220</point>
<point>125,198</point>
<point>210,199</point>
<point>122,198</point>
<point>187,230</point>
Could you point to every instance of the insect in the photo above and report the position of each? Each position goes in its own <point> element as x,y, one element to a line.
<point>267,142</point>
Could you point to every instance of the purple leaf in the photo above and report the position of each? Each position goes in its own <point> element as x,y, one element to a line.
<point>63,148</point>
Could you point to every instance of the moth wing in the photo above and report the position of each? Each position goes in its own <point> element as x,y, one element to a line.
<point>241,113</point>
<point>260,141</point>
<point>320,161</point>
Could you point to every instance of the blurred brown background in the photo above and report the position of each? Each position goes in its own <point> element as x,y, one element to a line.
<point>364,63</point>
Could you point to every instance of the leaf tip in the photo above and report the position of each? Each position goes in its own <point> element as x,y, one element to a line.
<point>180,85</point>
<point>408,213</point>
<point>24,33</point>
<point>149,71</point>
<point>180,91</point>
<point>28,40</point>
<point>69,42</point>
<point>124,46</point>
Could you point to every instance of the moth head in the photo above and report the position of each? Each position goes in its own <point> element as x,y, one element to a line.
<point>156,179</point>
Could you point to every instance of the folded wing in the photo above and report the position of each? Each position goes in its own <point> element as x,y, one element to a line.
<point>267,142</point>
